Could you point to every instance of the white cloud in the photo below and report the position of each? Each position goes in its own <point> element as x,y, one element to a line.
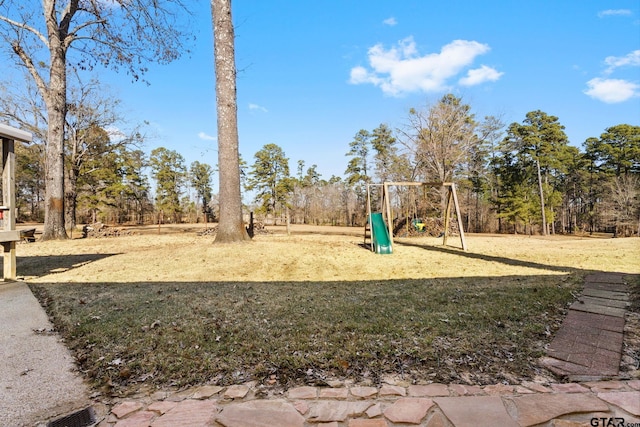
<point>612,91</point>
<point>257,107</point>
<point>401,69</point>
<point>391,21</point>
<point>206,137</point>
<point>632,59</point>
<point>614,12</point>
<point>480,75</point>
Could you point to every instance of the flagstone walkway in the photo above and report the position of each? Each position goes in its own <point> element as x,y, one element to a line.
<point>432,405</point>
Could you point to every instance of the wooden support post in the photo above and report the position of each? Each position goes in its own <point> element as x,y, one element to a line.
<point>459,217</point>
<point>447,215</point>
<point>8,233</point>
<point>368,230</point>
<point>9,214</point>
<point>386,196</point>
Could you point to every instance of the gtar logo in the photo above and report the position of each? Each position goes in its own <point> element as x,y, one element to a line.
<point>607,422</point>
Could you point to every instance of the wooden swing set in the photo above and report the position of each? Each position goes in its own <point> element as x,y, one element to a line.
<point>387,213</point>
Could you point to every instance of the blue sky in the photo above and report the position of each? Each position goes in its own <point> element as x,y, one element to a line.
<point>313,73</point>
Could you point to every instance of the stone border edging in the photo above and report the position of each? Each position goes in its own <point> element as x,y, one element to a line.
<point>429,405</point>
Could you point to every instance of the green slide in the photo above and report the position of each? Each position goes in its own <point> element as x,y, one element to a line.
<point>380,234</point>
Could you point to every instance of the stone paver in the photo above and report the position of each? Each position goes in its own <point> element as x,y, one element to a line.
<point>368,423</point>
<point>236,392</point>
<point>125,408</point>
<point>437,420</point>
<point>261,413</point>
<point>536,387</point>
<point>392,390</point>
<point>465,390</point>
<point>429,390</point>
<point>189,413</point>
<point>374,411</point>
<point>627,400</point>
<point>301,406</point>
<point>334,393</point>
<point>539,408</point>
<point>475,411</point>
<point>410,410</point>
<point>364,392</point>
<point>139,419</point>
<point>326,411</point>
<point>569,388</point>
<point>305,392</point>
<point>207,391</point>
<point>604,386</point>
<point>162,407</point>
<point>498,389</point>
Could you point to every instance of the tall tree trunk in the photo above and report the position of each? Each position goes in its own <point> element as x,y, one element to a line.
<point>544,216</point>
<point>56,100</point>
<point>71,199</point>
<point>230,226</point>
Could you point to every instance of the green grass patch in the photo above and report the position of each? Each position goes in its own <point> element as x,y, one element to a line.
<point>475,330</point>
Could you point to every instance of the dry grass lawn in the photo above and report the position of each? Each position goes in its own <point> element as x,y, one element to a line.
<point>179,255</point>
<point>173,309</point>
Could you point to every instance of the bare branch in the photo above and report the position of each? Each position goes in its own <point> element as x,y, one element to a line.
<point>28,63</point>
<point>24,26</point>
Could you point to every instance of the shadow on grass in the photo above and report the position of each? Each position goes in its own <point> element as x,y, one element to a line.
<point>474,330</point>
<point>47,264</point>
<point>491,258</point>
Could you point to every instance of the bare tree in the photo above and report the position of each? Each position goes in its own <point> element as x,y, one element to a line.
<point>91,123</point>
<point>21,105</point>
<point>230,224</point>
<point>440,140</point>
<point>49,36</point>
<point>622,204</point>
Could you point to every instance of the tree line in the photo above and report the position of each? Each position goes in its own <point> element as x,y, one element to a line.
<point>520,178</point>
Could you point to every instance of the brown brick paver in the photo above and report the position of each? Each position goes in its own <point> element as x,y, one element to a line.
<point>589,342</point>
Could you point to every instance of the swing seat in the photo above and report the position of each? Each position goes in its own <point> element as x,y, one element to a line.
<point>418,224</point>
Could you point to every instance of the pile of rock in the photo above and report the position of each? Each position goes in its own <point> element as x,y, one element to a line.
<point>100,230</point>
